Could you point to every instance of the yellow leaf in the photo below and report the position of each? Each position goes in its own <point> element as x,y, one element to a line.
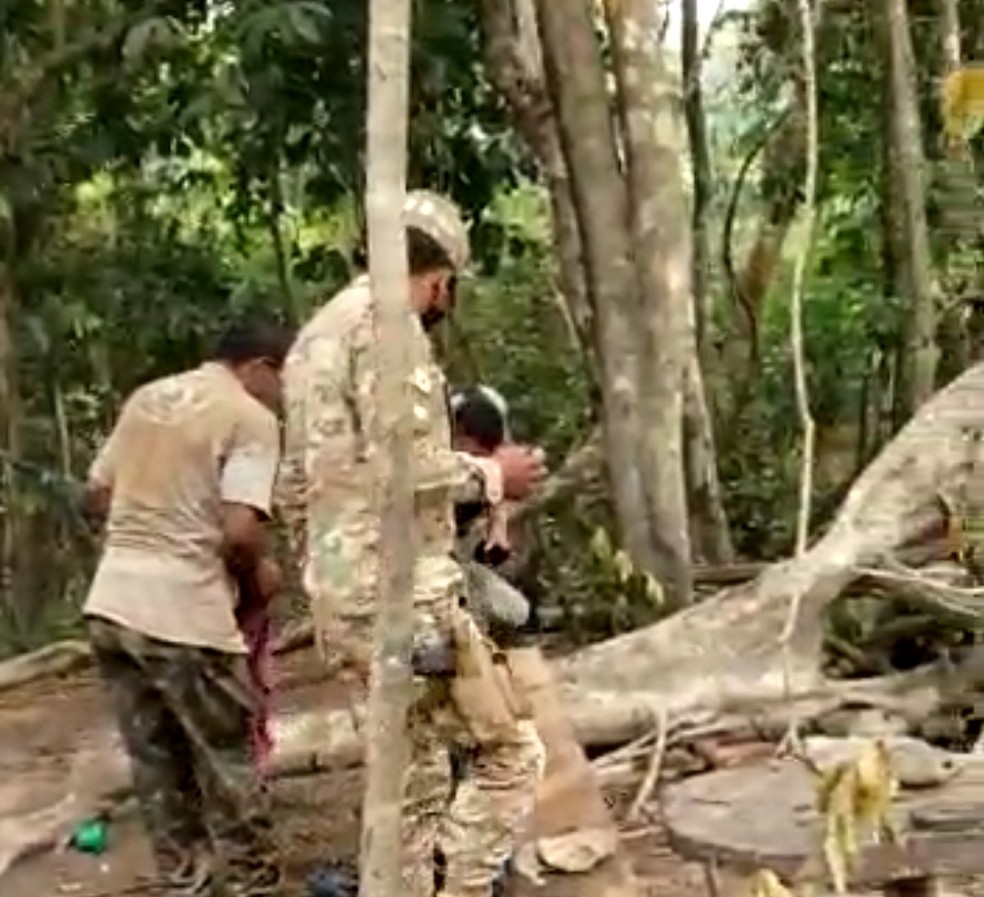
<point>623,566</point>
<point>837,851</point>
<point>765,883</point>
<point>855,800</point>
<point>654,590</point>
<point>963,101</point>
<point>876,786</point>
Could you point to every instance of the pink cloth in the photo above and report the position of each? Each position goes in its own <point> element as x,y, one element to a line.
<point>255,625</point>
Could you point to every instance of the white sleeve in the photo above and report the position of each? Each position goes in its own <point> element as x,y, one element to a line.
<point>250,470</point>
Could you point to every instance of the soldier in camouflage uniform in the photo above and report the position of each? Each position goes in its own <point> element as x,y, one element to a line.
<point>326,488</point>
<point>187,478</point>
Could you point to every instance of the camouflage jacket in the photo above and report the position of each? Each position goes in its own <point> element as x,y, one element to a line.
<point>328,478</point>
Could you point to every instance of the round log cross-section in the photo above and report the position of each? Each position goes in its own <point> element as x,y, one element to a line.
<point>764,816</point>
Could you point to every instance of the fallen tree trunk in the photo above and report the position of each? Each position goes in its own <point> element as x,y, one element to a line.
<point>729,647</point>
<point>316,741</point>
<point>52,660</point>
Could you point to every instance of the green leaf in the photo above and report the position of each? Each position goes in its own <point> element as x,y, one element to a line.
<point>156,33</point>
<point>601,545</point>
<point>305,20</point>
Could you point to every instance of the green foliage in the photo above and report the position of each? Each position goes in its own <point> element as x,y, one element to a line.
<point>164,168</point>
<point>511,332</point>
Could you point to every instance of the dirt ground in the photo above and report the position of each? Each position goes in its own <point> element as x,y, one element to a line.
<point>43,724</point>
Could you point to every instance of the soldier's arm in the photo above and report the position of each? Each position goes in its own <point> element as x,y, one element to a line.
<point>290,495</point>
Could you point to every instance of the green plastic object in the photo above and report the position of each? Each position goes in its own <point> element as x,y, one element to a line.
<point>91,836</point>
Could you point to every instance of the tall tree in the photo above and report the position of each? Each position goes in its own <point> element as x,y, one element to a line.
<point>905,199</point>
<point>661,239</point>
<point>388,748</point>
<point>577,82</point>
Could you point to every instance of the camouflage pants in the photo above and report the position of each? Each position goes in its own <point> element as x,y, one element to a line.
<point>184,714</point>
<point>474,824</point>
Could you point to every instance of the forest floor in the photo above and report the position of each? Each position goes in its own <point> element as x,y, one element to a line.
<point>42,725</point>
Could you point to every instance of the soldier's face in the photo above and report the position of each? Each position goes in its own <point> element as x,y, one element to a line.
<point>440,293</point>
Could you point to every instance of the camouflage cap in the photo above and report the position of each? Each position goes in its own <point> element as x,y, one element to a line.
<point>441,220</point>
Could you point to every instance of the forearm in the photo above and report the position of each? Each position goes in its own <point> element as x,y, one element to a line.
<point>291,507</point>
<point>480,480</point>
<point>95,501</point>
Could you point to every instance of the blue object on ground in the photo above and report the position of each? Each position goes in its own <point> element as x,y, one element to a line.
<point>332,881</point>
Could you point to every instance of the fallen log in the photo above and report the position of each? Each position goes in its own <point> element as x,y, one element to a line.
<point>314,742</point>
<point>73,655</point>
<point>729,647</point>
<point>52,660</point>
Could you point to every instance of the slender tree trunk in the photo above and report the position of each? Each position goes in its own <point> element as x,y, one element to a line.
<point>908,231</point>
<point>950,25</point>
<point>693,105</point>
<point>577,83</point>
<point>961,212</point>
<point>710,535</point>
<point>515,65</point>
<point>388,750</point>
<point>280,254</point>
<point>16,551</point>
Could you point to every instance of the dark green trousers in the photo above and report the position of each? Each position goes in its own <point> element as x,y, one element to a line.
<point>184,714</point>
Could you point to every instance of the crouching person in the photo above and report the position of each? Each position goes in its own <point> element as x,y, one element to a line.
<point>481,429</point>
<point>186,479</point>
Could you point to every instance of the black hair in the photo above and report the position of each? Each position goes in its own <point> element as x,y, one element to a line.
<point>424,253</point>
<point>478,417</point>
<point>249,340</point>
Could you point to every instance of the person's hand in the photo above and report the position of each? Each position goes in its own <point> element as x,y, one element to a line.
<point>269,578</point>
<point>522,470</point>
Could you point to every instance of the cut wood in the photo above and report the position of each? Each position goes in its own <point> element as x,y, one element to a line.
<point>765,816</point>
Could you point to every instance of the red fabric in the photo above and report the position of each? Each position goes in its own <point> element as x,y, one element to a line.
<point>254,623</point>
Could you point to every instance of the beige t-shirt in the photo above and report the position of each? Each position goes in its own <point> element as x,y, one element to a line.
<point>182,446</point>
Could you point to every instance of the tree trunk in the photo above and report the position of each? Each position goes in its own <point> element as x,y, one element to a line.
<point>709,534</point>
<point>16,551</point>
<point>906,199</point>
<point>388,749</point>
<point>661,232</point>
<point>577,83</point>
<point>515,65</point>
<point>700,156</point>
<point>950,25</point>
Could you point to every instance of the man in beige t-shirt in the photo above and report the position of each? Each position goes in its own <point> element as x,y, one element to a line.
<point>186,478</point>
